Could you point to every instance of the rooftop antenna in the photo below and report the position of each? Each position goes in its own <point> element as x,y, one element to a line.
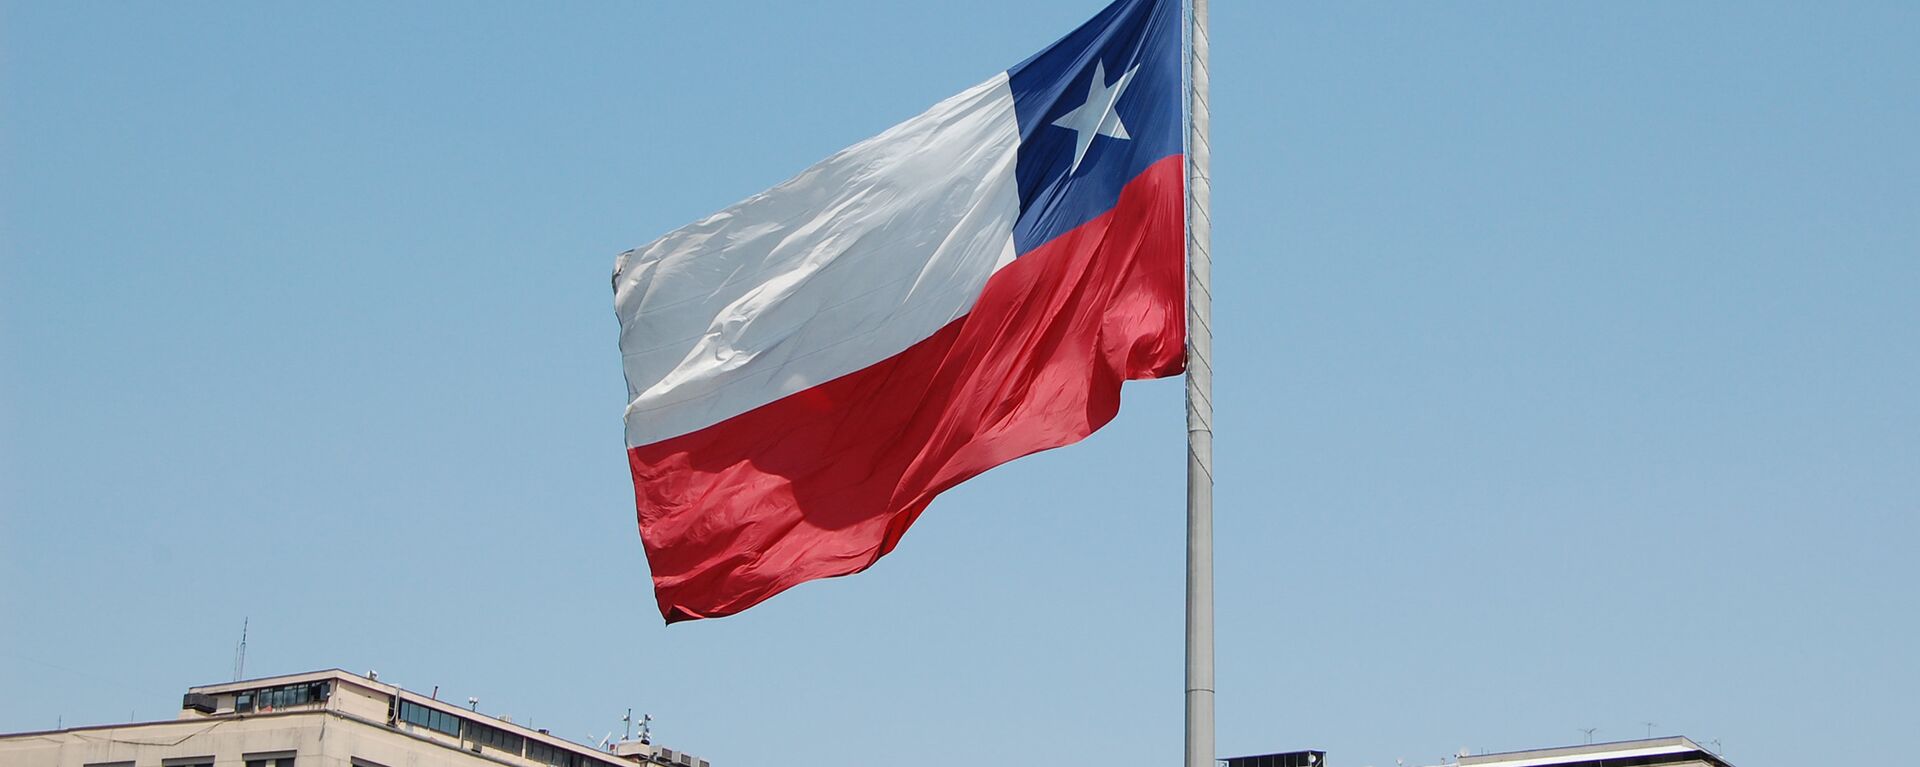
<point>646,729</point>
<point>1589,731</point>
<point>473,703</point>
<point>1650,726</point>
<point>627,720</point>
<point>240,652</point>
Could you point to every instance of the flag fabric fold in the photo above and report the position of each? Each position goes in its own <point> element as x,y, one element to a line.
<point>809,368</point>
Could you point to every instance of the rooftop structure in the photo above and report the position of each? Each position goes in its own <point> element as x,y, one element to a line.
<point>322,719</point>
<point>1285,759</point>
<point>1653,752</point>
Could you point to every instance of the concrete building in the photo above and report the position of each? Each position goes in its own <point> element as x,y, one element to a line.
<point>1282,759</point>
<point>1653,752</point>
<point>321,719</point>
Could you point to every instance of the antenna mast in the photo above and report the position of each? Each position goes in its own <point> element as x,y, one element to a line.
<point>240,652</point>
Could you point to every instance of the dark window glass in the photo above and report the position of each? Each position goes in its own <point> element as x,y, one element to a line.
<point>430,718</point>
<point>545,754</point>
<point>494,737</point>
<point>281,697</point>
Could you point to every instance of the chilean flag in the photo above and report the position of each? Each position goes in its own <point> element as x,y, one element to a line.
<point>808,368</point>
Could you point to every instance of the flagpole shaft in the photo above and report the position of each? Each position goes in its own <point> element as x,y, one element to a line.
<point>1199,694</point>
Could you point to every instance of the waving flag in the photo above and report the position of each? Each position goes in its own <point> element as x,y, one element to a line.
<point>808,368</point>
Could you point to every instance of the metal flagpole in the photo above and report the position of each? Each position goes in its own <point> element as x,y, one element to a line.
<point>1199,695</point>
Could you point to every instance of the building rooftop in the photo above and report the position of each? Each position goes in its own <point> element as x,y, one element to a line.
<point>1627,753</point>
<point>407,720</point>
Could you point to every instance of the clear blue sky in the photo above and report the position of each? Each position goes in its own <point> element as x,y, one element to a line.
<point>1568,368</point>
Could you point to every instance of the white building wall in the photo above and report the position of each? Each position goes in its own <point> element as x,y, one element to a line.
<point>159,744</point>
<point>350,724</point>
<point>354,700</point>
<point>316,739</point>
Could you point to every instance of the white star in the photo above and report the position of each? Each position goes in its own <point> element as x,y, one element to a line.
<point>1096,117</point>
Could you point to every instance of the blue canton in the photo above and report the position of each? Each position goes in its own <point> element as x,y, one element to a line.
<point>1082,141</point>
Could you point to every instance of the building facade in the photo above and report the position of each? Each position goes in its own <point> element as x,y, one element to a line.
<point>321,719</point>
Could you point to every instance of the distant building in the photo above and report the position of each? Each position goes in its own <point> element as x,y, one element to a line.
<point>1654,752</point>
<point>1283,759</point>
<point>321,719</point>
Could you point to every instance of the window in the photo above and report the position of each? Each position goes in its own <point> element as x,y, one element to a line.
<point>494,737</point>
<point>430,718</point>
<point>270,759</point>
<point>270,698</point>
<point>553,755</point>
<point>560,757</point>
<point>290,695</point>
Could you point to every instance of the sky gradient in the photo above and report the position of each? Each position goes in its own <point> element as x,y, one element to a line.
<point>1566,368</point>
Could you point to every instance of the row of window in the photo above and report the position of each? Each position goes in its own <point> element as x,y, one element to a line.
<point>270,698</point>
<point>491,737</point>
<point>430,718</point>
<point>277,760</point>
<point>559,757</point>
<point>494,737</point>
